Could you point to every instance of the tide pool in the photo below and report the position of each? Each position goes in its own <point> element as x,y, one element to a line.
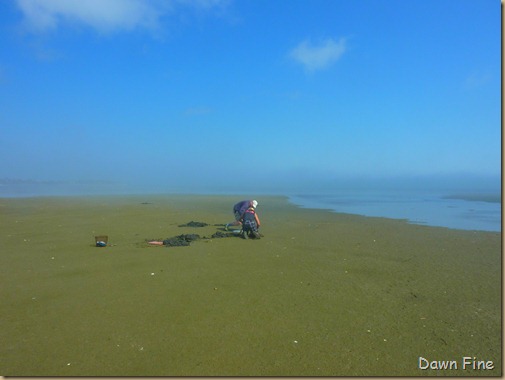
<point>440,210</point>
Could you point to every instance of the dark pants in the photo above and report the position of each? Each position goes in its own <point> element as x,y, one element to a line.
<point>250,226</point>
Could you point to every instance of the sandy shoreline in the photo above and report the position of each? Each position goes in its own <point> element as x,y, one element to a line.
<point>322,294</point>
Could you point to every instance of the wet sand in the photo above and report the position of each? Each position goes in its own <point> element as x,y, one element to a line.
<point>321,294</point>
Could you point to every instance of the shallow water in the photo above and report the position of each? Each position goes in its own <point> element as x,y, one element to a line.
<point>418,208</point>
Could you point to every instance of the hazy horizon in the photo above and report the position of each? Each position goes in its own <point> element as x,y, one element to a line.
<point>446,185</point>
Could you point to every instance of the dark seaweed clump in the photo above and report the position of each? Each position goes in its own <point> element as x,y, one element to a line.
<point>181,240</point>
<point>194,224</point>
<point>220,234</point>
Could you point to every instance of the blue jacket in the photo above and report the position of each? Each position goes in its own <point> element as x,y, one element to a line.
<point>241,207</point>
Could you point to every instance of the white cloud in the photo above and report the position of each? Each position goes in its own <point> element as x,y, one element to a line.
<point>104,15</point>
<point>318,56</point>
<point>194,111</point>
<point>476,80</point>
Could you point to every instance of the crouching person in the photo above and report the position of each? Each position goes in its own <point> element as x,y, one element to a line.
<point>250,223</point>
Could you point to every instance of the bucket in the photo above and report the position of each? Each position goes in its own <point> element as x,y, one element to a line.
<point>101,240</point>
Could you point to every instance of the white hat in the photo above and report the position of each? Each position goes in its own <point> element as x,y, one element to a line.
<point>254,203</point>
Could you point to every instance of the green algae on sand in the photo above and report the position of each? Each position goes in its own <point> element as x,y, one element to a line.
<point>321,294</point>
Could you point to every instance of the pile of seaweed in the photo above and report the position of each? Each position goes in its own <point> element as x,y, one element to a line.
<point>181,240</point>
<point>187,239</point>
<point>220,234</point>
<point>194,224</point>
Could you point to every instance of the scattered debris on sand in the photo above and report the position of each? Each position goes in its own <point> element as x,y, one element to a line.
<point>186,239</point>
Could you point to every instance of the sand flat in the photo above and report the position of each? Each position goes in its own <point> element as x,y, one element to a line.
<point>321,294</point>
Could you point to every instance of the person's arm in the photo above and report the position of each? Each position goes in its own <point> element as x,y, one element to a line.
<point>257,219</point>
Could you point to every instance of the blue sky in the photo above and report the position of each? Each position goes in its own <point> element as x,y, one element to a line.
<point>224,94</point>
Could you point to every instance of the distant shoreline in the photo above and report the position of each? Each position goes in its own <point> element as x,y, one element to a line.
<point>476,197</point>
<point>471,197</point>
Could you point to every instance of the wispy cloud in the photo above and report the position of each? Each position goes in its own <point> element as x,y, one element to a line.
<point>194,111</point>
<point>476,80</point>
<point>3,75</point>
<point>318,56</point>
<point>105,15</point>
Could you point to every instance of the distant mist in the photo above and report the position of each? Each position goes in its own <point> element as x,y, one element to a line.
<point>244,184</point>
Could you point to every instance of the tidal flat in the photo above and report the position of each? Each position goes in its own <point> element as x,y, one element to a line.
<point>320,294</point>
